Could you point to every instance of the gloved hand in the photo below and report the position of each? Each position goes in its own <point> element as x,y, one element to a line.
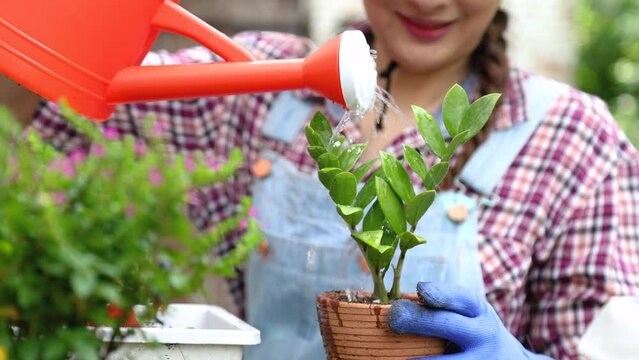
<point>456,314</point>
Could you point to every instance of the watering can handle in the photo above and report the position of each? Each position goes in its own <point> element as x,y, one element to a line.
<point>173,18</point>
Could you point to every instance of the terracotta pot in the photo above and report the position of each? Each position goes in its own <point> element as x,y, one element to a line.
<point>359,330</point>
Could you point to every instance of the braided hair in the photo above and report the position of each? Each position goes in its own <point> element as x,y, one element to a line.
<point>490,63</point>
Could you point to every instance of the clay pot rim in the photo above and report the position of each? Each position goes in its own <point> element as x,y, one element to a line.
<point>338,295</point>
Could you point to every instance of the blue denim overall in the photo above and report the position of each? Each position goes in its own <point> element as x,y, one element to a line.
<point>309,246</point>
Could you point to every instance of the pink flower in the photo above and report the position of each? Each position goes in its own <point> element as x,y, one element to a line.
<point>129,211</point>
<point>194,199</point>
<point>189,163</point>
<point>243,225</point>
<point>68,168</point>
<point>212,163</point>
<point>77,156</point>
<point>252,212</point>
<point>155,177</point>
<point>158,128</point>
<point>64,165</point>
<point>98,150</point>
<point>59,197</point>
<point>110,133</point>
<point>140,148</point>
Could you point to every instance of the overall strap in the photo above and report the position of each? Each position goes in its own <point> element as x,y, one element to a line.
<point>287,117</point>
<point>490,162</point>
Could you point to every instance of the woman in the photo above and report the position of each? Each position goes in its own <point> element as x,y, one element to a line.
<point>554,215</point>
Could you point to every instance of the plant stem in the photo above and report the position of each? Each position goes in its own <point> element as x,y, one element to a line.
<point>395,292</point>
<point>116,337</point>
<point>379,290</point>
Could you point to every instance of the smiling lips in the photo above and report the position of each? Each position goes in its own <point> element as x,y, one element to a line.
<point>426,29</point>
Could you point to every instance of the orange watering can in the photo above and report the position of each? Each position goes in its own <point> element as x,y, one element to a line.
<point>89,52</point>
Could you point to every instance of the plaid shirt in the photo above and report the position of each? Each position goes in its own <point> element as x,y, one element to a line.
<point>562,238</point>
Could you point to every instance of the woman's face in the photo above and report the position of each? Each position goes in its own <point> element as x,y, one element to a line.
<point>428,35</point>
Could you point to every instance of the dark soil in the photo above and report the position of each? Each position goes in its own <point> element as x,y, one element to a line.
<point>361,297</point>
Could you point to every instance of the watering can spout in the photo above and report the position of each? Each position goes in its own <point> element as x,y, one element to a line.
<point>91,60</point>
<point>342,71</point>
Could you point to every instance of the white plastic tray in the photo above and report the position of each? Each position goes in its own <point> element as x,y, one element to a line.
<point>190,332</point>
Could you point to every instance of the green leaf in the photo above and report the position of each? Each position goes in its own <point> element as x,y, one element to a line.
<point>336,144</point>
<point>321,125</point>
<point>83,282</point>
<point>397,176</point>
<point>351,214</point>
<point>55,349</point>
<point>350,156</point>
<point>453,108</point>
<point>391,205</point>
<point>382,260</point>
<point>361,171</point>
<point>344,188</point>
<point>408,240</point>
<point>455,143</point>
<point>366,194</point>
<point>372,239</point>
<point>109,292</point>
<point>348,210</point>
<point>476,116</point>
<point>28,296</point>
<point>415,161</point>
<point>417,207</point>
<point>435,175</point>
<point>313,138</point>
<point>84,348</point>
<point>178,280</point>
<point>374,219</point>
<point>327,161</point>
<point>28,350</point>
<point>327,175</point>
<point>369,238</point>
<point>429,129</point>
<point>316,151</point>
<point>392,240</point>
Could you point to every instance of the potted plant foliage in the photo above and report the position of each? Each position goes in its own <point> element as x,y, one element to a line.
<point>382,217</point>
<point>85,234</point>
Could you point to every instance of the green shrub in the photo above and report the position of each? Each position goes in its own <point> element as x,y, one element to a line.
<point>608,63</point>
<point>82,231</point>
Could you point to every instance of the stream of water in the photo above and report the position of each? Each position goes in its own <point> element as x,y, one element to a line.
<point>383,100</point>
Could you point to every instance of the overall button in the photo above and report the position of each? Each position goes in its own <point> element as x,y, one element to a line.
<point>363,265</point>
<point>457,213</point>
<point>264,249</point>
<point>261,168</point>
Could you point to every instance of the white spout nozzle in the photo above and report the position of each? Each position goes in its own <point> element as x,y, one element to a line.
<point>358,74</point>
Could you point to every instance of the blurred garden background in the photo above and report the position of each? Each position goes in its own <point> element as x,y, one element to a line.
<point>608,57</point>
<point>592,44</point>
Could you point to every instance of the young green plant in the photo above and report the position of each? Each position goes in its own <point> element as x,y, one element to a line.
<point>103,226</point>
<point>383,214</point>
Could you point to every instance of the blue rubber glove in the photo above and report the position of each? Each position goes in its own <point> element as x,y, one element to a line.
<point>456,314</point>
